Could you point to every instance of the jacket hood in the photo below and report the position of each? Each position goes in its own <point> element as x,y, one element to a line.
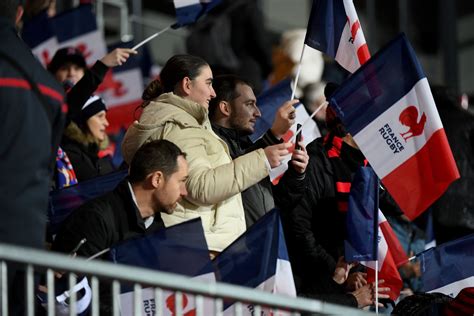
<point>75,133</point>
<point>167,108</point>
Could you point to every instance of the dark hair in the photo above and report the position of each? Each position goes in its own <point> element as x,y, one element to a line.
<point>225,88</point>
<point>157,155</point>
<point>421,304</point>
<point>175,69</point>
<point>8,8</point>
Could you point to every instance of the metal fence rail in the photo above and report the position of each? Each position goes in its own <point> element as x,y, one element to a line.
<point>47,262</point>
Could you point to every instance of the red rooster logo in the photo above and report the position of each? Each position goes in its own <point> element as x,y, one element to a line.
<point>409,118</point>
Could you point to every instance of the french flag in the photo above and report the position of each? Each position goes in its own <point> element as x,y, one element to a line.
<point>370,236</point>
<point>189,11</point>
<point>388,108</point>
<point>362,217</point>
<point>449,267</point>
<point>258,259</point>
<point>390,256</point>
<point>39,34</point>
<point>268,103</point>
<point>335,29</point>
<point>180,249</point>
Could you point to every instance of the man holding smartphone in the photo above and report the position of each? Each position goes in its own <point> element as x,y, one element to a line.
<point>233,114</point>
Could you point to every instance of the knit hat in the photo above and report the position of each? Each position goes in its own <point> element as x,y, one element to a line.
<point>66,55</point>
<point>94,105</point>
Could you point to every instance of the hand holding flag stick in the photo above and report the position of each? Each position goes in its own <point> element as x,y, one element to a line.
<point>322,105</point>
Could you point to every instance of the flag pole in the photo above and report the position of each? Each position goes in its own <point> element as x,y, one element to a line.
<point>376,287</point>
<point>293,138</point>
<point>297,73</point>
<point>146,40</point>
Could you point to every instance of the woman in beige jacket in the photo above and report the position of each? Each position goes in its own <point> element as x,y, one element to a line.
<point>176,109</point>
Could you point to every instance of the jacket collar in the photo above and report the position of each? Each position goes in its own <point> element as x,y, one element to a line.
<point>6,23</point>
<point>194,109</point>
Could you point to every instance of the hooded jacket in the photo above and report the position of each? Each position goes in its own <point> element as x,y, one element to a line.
<point>215,180</point>
<point>83,151</point>
<point>30,129</point>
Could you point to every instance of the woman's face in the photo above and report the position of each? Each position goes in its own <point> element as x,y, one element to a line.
<point>97,125</point>
<point>200,88</point>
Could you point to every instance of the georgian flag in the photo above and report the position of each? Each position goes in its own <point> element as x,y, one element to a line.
<point>335,29</point>
<point>258,259</point>
<point>388,108</point>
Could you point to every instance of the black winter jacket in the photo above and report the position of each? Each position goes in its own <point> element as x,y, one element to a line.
<point>263,196</point>
<point>83,154</point>
<point>317,223</point>
<point>105,221</point>
<point>31,125</point>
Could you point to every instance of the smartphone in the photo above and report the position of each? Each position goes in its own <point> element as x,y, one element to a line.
<point>298,137</point>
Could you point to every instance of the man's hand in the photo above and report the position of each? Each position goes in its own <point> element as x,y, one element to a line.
<point>276,153</point>
<point>365,296</point>
<point>300,158</point>
<point>284,118</point>
<point>117,57</point>
<point>356,280</point>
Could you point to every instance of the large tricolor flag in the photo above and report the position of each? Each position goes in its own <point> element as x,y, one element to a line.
<point>189,11</point>
<point>335,29</point>
<point>388,108</point>
<point>258,259</point>
<point>268,103</point>
<point>369,235</point>
<point>180,249</point>
<point>449,267</point>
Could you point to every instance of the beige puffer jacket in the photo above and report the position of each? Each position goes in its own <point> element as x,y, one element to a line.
<point>215,181</point>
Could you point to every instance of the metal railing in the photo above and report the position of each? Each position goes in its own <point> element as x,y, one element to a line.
<point>96,271</point>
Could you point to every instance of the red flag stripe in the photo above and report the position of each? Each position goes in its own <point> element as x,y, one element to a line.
<point>428,174</point>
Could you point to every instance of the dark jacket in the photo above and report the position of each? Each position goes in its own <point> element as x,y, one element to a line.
<point>263,196</point>
<point>83,153</point>
<point>317,223</point>
<point>105,221</point>
<point>31,125</point>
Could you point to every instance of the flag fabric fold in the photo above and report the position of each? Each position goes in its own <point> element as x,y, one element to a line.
<point>388,255</point>
<point>388,108</point>
<point>180,249</point>
<point>63,202</point>
<point>334,29</point>
<point>362,217</point>
<point>257,259</point>
<point>449,267</point>
<point>189,11</point>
